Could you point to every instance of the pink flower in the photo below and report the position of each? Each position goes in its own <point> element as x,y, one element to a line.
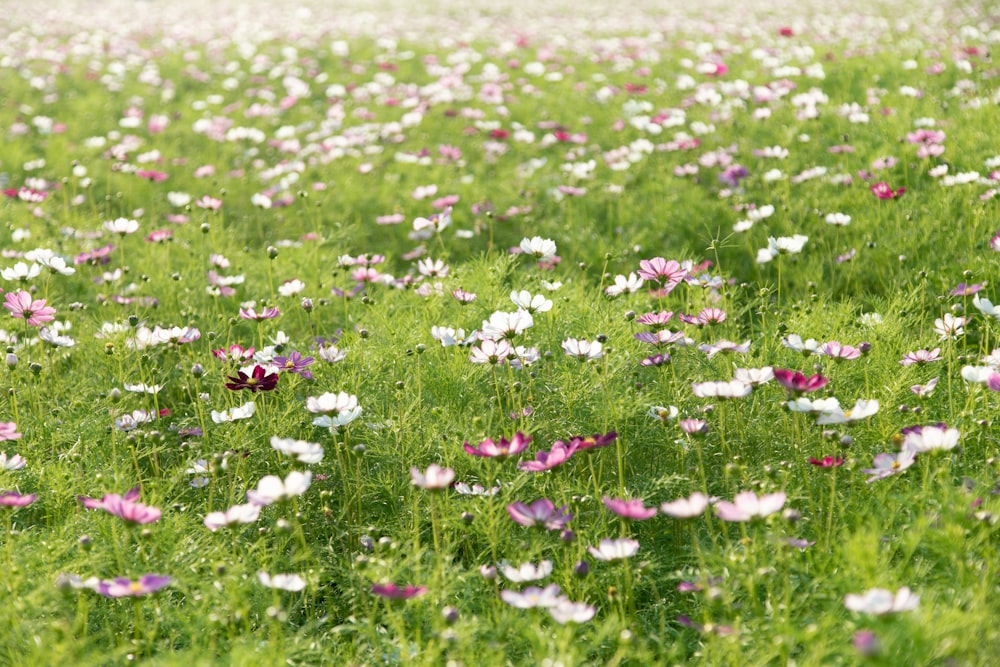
<point>559,454</point>
<point>21,305</point>
<point>435,478</point>
<point>629,509</point>
<point>209,203</point>
<point>669,273</point>
<point>122,587</point>
<point>124,507</point>
<point>8,431</point>
<point>542,512</point>
<point>15,499</point>
<point>490,449</point>
<point>391,591</point>
<point>746,506</point>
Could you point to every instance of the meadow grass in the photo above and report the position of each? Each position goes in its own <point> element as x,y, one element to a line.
<point>188,171</point>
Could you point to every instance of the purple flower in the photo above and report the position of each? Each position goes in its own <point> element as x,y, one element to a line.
<point>295,363</point>
<point>887,465</point>
<point>629,509</point>
<point>122,587</point>
<point>123,507</point>
<point>541,512</point>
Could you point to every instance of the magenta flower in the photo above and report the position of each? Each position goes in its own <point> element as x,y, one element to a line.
<point>542,512</point>
<point>629,509</point>
<point>883,190</point>
<point>587,442</point>
<point>827,462</point>
<point>559,454</point>
<point>34,311</point>
<point>15,499</point>
<point>797,383</point>
<point>122,587</point>
<point>488,448</point>
<point>123,507</point>
<point>391,591</point>
<point>746,506</point>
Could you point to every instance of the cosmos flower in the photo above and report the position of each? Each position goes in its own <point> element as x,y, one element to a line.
<point>8,431</point>
<point>919,439</point>
<point>284,582</point>
<point>255,378</point>
<point>271,489</point>
<point>542,512</point>
<point>886,465</point>
<point>392,591</point>
<point>686,508</point>
<point>619,549</point>
<point>629,509</point>
<point>244,411</point>
<point>583,350</point>
<point>15,499</point>
<point>797,383</point>
<point>532,597</point>
<point>33,311</point>
<point>294,362</point>
<point>122,587</point>
<point>746,506</point>
<point>124,507</point>
<point>525,571</point>
<point>543,249</point>
<point>234,516</point>
<point>436,477</point>
<point>878,601</point>
<point>624,285</point>
<point>862,410</point>
<point>559,454</point>
<point>723,389</point>
<point>921,357</point>
<point>566,611</point>
<point>490,449</point>
<point>300,450</point>
<point>15,462</point>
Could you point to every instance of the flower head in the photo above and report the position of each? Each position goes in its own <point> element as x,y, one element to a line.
<point>436,477</point>
<point>122,587</point>
<point>559,454</point>
<point>33,311</point>
<point>686,508</point>
<point>392,591</point>
<point>488,448</point>
<point>878,601</point>
<point>746,506</point>
<point>259,378</point>
<point>124,507</point>
<point>887,465</point>
<point>614,549</point>
<point>629,509</point>
<point>797,383</point>
<point>542,512</point>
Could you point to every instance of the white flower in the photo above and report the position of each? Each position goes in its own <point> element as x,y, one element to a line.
<point>245,411</point>
<point>731,389</point>
<point>21,271</point>
<point>566,611</point>
<point>614,549</point>
<point>949,326</point>
<point>502,325</point>
<point>121,226</point>
<point>754,376</point>
<point>526,571</point>
<point>271,489</point>
<point>584,350</point>
<point>841,219</point>
<point>553,286</point>
<point>977,374</point>
<point>986,307</point>
<point>143,388</point>
<point>284,582</point>
<point>686,508</point>
<point>663,413</point>
<point>328,402</point>
<point>929,438</point>
<point>625,285</point>
<point>50,336</point>
<point>291,287</point>
<point>878,601</point>
<point>127,422</point>
<point>235,515</point>
<point>803,404</point>
<point>532,597</point>
<point>539,247</point>
<point>301,450</point>
<point>449,336</point>
<point>16,462</point>
<point>862,410</point>
<point>533,304</point>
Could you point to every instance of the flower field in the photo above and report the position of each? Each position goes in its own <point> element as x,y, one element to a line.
<point>499,334</point>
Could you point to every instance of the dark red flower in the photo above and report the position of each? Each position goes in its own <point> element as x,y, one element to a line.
<point>258,380</point>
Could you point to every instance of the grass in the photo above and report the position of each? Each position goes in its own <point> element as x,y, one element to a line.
<point>355,146</point>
